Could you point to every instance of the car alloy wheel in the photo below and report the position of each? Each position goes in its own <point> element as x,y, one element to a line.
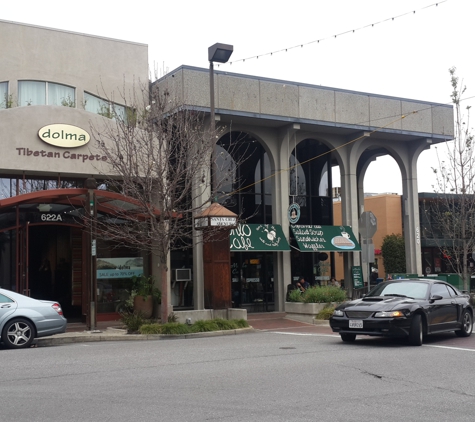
<point>467,325</point>
<point>18,333</point>
<point>416,332</point>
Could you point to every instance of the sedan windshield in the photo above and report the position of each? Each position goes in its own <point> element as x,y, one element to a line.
<point>401,289</point>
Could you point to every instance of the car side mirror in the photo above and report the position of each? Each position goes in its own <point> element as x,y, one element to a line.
<point>435,297</point>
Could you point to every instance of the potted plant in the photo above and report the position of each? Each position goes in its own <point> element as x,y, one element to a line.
<point>146,294</point>
<point>307,305</point>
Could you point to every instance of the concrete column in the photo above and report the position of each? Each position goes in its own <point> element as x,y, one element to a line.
<point>198,271</point>
<point>280,203</point>
<point>201,193</point>
<point>412,235</point>
<point>350,212</point>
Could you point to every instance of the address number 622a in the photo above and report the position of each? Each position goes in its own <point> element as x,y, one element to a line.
<point>51,217</point>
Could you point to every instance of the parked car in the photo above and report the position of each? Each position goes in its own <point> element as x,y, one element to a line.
<point>411,308</point>
<point>23,318</point>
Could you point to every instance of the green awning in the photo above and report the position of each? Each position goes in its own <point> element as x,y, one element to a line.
<point>258,238</point>
<point>325,238</point>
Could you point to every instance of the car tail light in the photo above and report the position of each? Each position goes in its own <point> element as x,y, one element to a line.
<point>57,308</point>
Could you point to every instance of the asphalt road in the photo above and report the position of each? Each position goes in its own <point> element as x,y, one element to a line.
<point>277,375</point>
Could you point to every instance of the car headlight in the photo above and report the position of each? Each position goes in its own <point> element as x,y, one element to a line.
<point>390,314</point>
<point>337,312</point>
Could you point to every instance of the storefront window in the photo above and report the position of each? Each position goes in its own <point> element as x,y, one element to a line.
<point>310,188</point>
<point>10,187</point>
<point>114,282</point>
<point>115,269</point>
<point>244,168</point>
<point>7,261</point>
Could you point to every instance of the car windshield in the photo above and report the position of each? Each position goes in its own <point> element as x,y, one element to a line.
<point>410,289</point>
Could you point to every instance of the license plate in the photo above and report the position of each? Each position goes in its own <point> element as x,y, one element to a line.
<point>356,323</point>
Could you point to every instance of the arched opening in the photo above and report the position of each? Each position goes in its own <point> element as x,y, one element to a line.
<point>244,167</point>
<point>310,186</point>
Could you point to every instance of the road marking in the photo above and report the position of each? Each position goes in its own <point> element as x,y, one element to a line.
<point>333,335</point>
<point>450,347</point>
<point>302,334</point>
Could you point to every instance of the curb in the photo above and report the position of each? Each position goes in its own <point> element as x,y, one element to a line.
<point>121,335</point>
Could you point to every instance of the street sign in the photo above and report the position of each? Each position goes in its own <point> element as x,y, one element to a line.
<point>357,277</point>
<point>367,249</point>
<point>368,224</point>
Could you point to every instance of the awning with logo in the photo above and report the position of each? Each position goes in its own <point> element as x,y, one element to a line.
<point>325,238</point>
<point>258,238</point>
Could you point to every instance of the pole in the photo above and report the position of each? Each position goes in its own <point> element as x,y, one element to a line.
<point>367,246</point>
<point>93,261</point>
<point>212,129</point>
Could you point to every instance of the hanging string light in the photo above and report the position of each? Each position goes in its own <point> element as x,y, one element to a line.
<point>351,31</point>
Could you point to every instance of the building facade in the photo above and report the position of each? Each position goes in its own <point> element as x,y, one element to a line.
<point>58,87</point>
<point>55,87</point>
<point>296,133</point>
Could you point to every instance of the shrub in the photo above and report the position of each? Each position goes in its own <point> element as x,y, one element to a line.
<point>393,251</point>
<point>295,296</point>
<point>217,324</point>
<point>203,326</point>
<point>151,329</point>
<point>135,323</point>
<point>132,320</point>
<point>325,313</point>
<point>175,328</point>
<point>241,323</point>
<point>172,317</point>
<point>225,324</point>
<point>324,294</point>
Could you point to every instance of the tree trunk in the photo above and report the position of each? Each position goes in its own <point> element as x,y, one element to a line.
<point>166,307</point>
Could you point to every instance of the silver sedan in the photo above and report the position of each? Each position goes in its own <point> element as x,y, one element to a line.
<point>22,319</point>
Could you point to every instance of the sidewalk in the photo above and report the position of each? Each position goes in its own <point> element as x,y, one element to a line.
<point>111,330</point>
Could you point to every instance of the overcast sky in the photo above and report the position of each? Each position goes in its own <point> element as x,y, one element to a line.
<point>406,57</point>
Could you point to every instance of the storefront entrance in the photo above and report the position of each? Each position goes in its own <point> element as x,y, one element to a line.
<point>50,268</point>
<point>252,281</point>
<point>45,252</point>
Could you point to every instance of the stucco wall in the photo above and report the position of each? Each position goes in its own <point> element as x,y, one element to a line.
<point>101,66</point>
<point>105,67</point>
<point>23,150</point>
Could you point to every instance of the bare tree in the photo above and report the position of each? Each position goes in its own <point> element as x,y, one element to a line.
<point>451,213</point>
<point>159,155</point>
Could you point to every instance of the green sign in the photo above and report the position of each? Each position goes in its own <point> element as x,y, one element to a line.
<point>258,238</point>
<point>357,277</point>
<point>325,238</point>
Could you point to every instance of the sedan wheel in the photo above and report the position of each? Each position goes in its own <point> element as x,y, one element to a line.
<point>18,333</point>
<point>467,325</point>
<point>416,332</point>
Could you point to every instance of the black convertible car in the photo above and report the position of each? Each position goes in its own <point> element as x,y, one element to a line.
<point>405,308</point>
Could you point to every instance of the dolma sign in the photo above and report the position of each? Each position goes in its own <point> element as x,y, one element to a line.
<point>64,136</point>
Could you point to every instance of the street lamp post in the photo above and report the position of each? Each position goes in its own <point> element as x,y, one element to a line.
<point>219,53</point>
<point>91,209</point>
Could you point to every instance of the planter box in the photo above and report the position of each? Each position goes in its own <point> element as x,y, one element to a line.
<point>305,312</point>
